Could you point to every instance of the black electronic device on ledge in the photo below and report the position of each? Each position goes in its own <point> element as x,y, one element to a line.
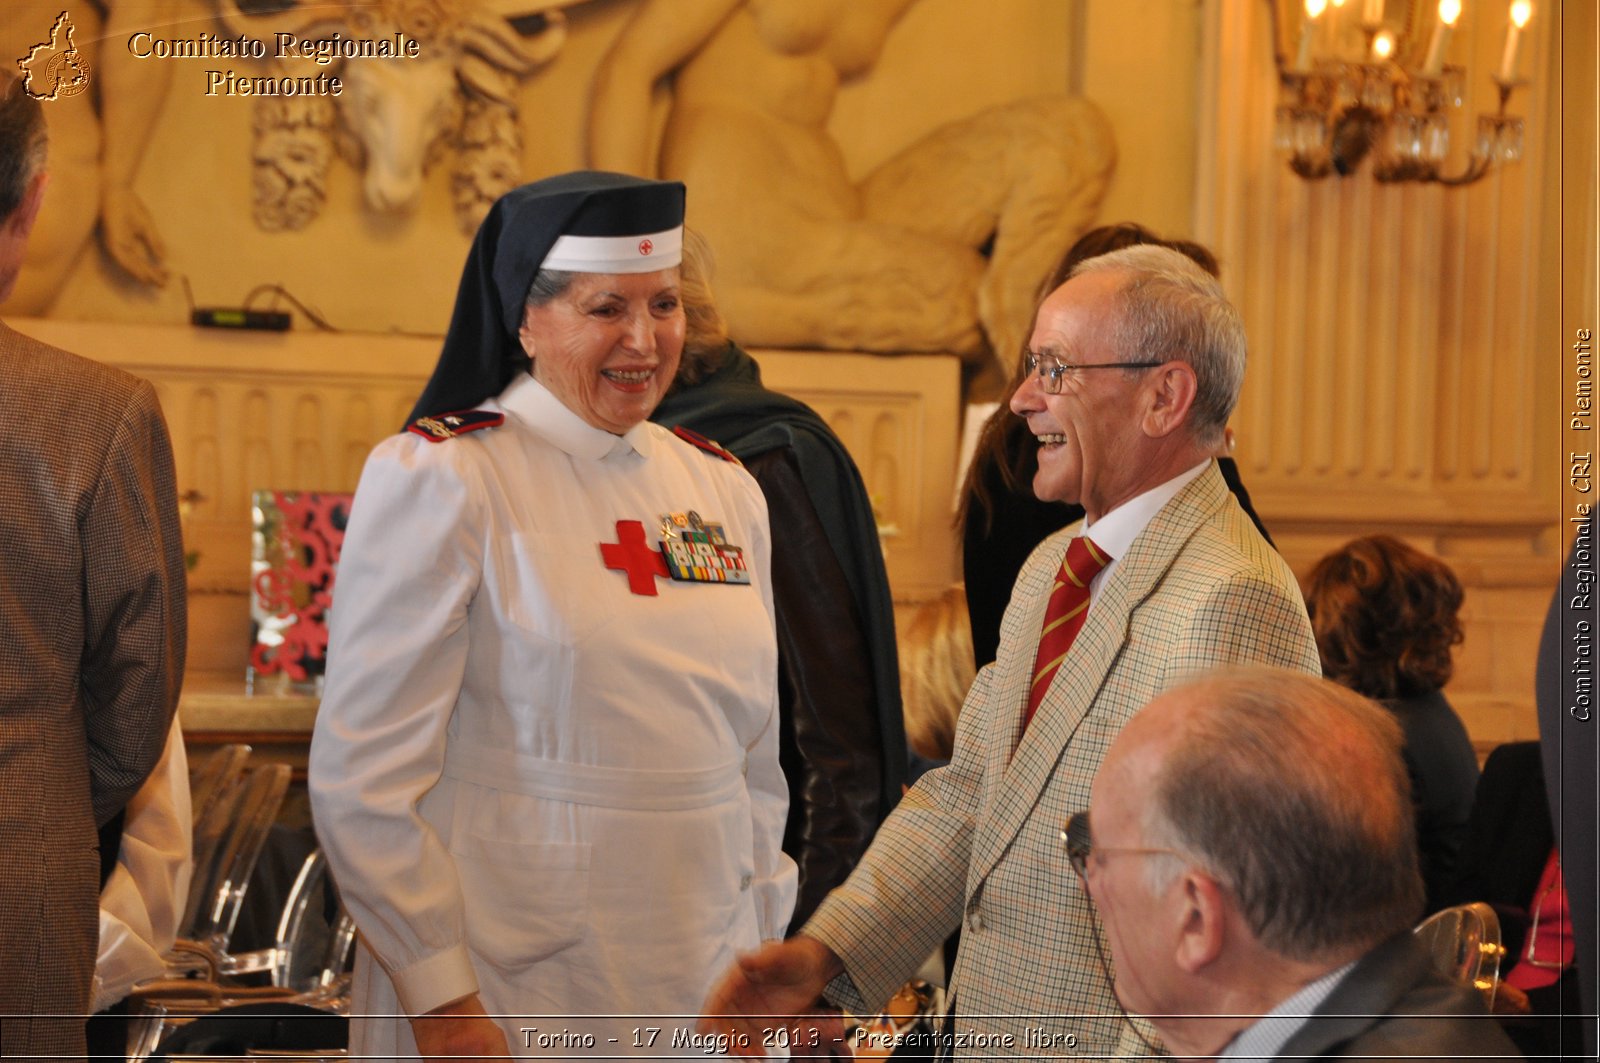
<point>239,318</point>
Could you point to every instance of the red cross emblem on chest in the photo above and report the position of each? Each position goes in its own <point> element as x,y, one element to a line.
<point>631,554</point>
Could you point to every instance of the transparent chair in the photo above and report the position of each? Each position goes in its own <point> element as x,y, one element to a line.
<point>239,818</point>
<point>235,809</point>
<point>302,1013</point>
<point>314,946</point>
<point>281,1029</point>
<point>1464,942</point>
<point>211,778</point>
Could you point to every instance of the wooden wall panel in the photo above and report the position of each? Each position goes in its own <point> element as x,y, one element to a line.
<point>300,411</point>
<point>1396,382</point>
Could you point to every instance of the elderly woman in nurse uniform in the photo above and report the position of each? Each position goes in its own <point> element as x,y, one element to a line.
<point>545,769</point>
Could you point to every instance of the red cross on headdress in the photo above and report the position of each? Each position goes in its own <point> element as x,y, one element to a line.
<point>645,247</point>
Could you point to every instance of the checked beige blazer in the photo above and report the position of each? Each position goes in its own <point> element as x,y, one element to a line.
<point>978,843</point>
<point>91,658</point>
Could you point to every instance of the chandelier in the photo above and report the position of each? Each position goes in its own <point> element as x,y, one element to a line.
<point>1374,82</point>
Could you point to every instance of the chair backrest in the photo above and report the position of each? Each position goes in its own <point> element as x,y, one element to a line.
<point>315,943</point>
<point>213,793</point>
<point>238,817</point>
<point>1464,942</point>
<point>213,774</point>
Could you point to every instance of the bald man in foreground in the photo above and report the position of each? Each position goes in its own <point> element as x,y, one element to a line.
<point>1253,862</point>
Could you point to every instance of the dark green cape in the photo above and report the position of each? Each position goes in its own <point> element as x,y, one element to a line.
<point>732,407</point>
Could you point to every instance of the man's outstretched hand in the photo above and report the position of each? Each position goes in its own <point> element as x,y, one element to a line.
<point>765,1001</point>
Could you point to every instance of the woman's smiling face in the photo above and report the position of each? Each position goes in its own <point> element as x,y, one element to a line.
<point>608,346</point>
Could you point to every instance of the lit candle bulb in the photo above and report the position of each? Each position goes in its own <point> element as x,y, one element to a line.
<point>1333,28</point>
<point>1449,11</point>
<point>1382,45</point>
<point>1308,32</point>
<point>1521,11</point>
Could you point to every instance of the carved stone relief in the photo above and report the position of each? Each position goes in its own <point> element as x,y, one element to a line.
<point>289,161</point>
<point>452,93</point>
<point>97,140</point>
<point>941,248</point>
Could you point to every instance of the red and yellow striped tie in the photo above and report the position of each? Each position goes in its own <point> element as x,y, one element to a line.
<point>1064,615</point>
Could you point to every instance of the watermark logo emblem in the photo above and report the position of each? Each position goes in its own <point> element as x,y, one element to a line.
<point>55,69</point>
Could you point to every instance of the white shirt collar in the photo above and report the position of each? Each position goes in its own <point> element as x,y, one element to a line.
<point>1263,1039</point>
<point>1115,532</point>
<point>549,418</point>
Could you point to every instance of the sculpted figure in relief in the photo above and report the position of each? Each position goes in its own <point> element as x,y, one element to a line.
<point>396,116</point>
<point>97,140</point>
<point>809,257</point>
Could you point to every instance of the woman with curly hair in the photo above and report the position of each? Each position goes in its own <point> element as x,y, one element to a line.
<point>1384,615</point>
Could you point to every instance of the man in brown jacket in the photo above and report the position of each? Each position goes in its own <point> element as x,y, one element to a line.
<point>92,615</point>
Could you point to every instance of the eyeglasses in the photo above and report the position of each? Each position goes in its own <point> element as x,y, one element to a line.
<point>1051,370</point>
<point>1076,836</point>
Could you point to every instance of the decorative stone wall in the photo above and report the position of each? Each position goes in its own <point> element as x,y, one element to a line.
<point>300,411</point>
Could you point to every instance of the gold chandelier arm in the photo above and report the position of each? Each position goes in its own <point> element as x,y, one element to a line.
<point>1477,169</point>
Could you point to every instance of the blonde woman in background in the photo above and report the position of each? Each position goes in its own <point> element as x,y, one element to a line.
<point>935,672</point>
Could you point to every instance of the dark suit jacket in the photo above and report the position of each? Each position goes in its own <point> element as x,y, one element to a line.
<point>1393,1005</point>
<point>1570,738</point>
<point>1444,778</point>
<point>92,610</point>
<point>1507,841</point>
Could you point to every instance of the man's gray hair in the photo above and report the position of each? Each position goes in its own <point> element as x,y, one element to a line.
<point>1291,791</point>
<point>23,143</point>
<point>1172,310</point>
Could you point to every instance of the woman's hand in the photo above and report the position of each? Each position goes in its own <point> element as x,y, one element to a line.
<point>459,1031</point>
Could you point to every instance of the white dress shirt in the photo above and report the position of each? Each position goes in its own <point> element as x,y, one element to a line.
<point>143,899</point>
<point>1115,532</point>
<point>1261,1041</point>
<point>531,782</point>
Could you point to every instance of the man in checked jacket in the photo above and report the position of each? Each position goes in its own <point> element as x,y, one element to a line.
<point>1136,362</point>
<point>92,611</point>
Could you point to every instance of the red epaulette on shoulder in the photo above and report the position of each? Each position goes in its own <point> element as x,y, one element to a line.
<point>449,425</point>
<point>689,435</point>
